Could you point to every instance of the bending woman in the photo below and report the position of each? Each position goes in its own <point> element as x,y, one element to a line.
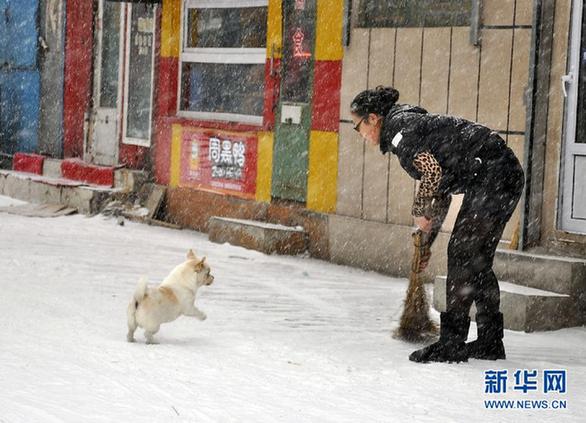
<point>450,155</point>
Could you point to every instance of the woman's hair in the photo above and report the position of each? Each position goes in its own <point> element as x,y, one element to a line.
<point>378,100</point>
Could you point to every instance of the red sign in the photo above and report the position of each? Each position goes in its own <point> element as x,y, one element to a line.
<point>219,162</point>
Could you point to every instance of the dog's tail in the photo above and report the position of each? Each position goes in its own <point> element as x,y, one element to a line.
<point>139,294</point>
<point>140,290</point>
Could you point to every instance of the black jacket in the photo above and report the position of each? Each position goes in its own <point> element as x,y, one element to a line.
<point>460,147</point>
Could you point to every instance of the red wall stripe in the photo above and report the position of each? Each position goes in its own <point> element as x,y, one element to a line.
<point>271,94</point>
<point>78,74</point>
<point>166,90</point>
<point>325,113</point>
<point>166,105</point>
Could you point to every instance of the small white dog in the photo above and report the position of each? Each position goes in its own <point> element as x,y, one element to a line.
<point>175,296</point>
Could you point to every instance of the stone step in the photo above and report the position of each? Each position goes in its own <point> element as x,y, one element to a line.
<point>564,275</point>
<point>40,189</point>
<point>261,236</point>
<point>525,309</point>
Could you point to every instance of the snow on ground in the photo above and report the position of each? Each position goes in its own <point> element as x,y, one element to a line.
<point>287,338</point>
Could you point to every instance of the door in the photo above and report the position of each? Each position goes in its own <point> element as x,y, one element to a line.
<point>51,56</point>
<point>19,76</point>
<point>102,145</point>
<point>573,206</point>
<point>293,120</point>
<point>139,72</point>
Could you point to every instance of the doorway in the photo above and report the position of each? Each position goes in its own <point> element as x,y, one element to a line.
<point>123,79</point>
<point>573,203</point>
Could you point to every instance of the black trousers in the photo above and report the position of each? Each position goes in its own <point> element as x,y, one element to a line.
<point>489,202</point>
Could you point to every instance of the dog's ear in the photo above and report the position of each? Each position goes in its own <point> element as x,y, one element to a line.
<point>199,265</point>
<point>190,255</point>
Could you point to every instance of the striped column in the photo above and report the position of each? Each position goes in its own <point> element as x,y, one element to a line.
<point>271,98</point>
<point>325,115</point>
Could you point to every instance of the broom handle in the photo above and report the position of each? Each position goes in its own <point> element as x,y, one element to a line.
<point>415,261</point>
<point>420,244</point>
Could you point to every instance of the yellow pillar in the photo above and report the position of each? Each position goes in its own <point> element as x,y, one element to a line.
<point>323,171</point>
<point>264,170</point>
<point>176,135</point>
<point>170,28</point>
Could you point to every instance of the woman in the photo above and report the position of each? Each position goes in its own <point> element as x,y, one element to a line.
<point>450,155</point>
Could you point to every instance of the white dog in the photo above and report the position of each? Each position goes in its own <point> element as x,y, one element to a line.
<point>151,306</point>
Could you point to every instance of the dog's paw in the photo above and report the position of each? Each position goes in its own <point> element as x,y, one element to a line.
<point>202,316</point>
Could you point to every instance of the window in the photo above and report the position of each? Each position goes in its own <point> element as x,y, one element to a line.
<point>223,60</point>
<point>414,13</point>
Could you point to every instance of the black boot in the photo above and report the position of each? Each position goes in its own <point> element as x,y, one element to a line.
<point>451,346</point>
<point>489,345</point>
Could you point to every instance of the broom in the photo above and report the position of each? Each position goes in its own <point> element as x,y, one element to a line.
<point>415,324</point>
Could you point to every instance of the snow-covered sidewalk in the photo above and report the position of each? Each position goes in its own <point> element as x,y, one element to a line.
<point>287,339</point>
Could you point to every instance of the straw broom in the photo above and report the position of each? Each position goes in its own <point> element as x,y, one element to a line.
<point>415,325</point>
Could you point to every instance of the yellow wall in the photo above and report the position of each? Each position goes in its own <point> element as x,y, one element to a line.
<point>323,171</point>
<point>328,40</point>
<point>176,133</point>
<point>274,29</point>
<point>264,170</point>
<point>170,28</point>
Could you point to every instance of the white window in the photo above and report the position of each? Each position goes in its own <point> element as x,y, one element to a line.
<point>223,59</point>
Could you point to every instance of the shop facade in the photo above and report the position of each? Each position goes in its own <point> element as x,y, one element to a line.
<point>248,107</point>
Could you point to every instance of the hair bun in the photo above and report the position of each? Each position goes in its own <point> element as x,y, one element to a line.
<point>378,100</point>
<point>387,94</point>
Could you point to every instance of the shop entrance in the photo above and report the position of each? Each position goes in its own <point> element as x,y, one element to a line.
<point>573,205</point>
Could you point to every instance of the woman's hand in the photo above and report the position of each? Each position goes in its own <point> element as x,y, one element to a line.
<point>423,223</point>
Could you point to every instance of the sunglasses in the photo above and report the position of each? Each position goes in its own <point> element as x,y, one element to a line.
<point>357,126</point>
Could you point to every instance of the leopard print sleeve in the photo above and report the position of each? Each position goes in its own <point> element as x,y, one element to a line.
<point>431,174</point>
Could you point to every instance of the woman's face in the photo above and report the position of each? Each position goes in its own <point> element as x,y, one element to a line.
<point>368,127</point>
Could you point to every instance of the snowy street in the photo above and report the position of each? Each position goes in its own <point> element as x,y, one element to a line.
<point>287,339</point>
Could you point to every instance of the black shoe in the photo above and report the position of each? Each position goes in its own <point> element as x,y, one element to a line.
<point>451,347</point>
<point>489,345</point>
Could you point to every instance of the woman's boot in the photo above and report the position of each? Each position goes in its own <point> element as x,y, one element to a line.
<point>451,346</point>
<point>489,345</point>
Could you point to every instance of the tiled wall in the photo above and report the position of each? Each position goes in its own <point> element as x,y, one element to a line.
<point>440,70</point>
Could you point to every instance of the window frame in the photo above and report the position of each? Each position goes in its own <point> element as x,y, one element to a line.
<point>217,55</point>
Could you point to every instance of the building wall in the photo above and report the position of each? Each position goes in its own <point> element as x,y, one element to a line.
<point>439,69</point>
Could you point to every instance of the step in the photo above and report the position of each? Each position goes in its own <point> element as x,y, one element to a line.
<point>127,180</point>
<point>28,162</point>
<point>564,275</point>
<point>33,188</point>
<point>78,170</point>
<point>255,235</point>
<point>525,309</point>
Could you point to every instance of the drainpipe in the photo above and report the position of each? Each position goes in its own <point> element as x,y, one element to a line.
<point>537,106</point>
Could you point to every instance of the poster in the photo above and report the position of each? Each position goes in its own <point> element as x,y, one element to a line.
<point>219,161</point>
